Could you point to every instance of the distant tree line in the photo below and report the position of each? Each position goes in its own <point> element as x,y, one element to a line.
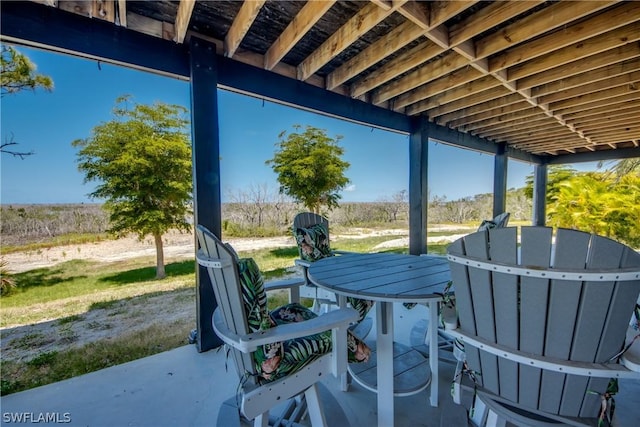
<point>31,223</point>
<point>606,203</point>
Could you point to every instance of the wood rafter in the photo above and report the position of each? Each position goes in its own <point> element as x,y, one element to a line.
<point>122,12</point>
<point>544,77</point>
<point>299,26</point>
<point>185,9</point>
<point>241,25</point>
<point>603,73</point>
<point>368,17</point>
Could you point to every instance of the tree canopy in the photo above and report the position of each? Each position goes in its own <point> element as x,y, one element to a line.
<point>310,167</point>
<point>141,160</point>
<point>18,73</point>
<point>605,203</point>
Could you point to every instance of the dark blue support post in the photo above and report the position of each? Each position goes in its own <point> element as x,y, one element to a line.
<point>539,195</point>
<point>207,205</point>
<point>500,180</point>
<point>418,192</point>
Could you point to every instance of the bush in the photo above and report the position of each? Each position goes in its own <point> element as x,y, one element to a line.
<point>7,282</point>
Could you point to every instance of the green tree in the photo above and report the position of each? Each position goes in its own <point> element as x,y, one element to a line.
<point>624,167</point>
<point>555,175</point>
<point>141,160</point>
<point>310,168</point>
<point>18,73</point>
<point>599,203</point>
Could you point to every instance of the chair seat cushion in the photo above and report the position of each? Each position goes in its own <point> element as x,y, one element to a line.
<point>277,360</point>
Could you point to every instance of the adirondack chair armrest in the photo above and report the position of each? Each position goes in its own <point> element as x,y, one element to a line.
<point>334,319</point>
<point>631,357</point>
<point>302,263</point>
<point>600,370</point>
<point>292,285</point>
<point>284,284</point>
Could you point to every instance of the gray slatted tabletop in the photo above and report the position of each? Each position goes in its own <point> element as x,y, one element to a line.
<point>388,278</point>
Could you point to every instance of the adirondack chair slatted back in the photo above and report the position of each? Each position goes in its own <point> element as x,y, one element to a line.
<point>308,219</point>
<point>228,292</point>
<point>560,317</point>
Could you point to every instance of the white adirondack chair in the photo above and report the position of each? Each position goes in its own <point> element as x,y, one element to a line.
<point>543,322</point>
<point>448,348</point>
<point>323,299</point>
<point>230,322</point>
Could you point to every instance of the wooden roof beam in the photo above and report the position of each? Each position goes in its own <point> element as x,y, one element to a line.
<point>454,94</point>
<point>506,120</point>
<point>240,26</point>
<point>490,107</point>
<point>122,13</point>
<point>463,46</point>
<point>482,100</point>
<point>297,28</point>
<point>450,81</point>
<point>554,16</point>
<point>600,103</point>
<point>406,61</point>
<point>626,13</point>
<point>599,74</point>
<point>611,122</point>
<point>580,50</point>
<point>610,57</point>
<point>363,21</point>
<point>618,119</point>
<point>599,111</point>
<point>431,71</point>
<point>586,92</point>
<point>456,120</point>
<point>399,37</point>
<point>427,22</point>
<point>183,16</point>
<point>527,28</point>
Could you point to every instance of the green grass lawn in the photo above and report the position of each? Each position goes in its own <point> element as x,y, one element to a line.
<point>69,290</point>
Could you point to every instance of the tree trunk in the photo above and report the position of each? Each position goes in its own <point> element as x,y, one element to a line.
<point>160,273</point>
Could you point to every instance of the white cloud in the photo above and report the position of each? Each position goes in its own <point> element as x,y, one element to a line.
<point>351,187</point>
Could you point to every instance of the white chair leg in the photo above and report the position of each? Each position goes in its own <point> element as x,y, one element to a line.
<point>494,420</point>
<point>316,416</point>
<point>261,420</point>
<point>478,412</point>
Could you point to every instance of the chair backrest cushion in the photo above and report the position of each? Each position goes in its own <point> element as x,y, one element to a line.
<point>253,294</point>
<point>313,242</point>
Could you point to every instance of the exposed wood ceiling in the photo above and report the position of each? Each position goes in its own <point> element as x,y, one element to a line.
<point>547,78</point>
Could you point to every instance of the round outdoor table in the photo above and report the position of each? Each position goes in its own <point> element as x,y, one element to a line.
<point>388,278</point>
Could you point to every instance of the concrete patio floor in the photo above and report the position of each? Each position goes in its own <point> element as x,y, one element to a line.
<point>182,387</point>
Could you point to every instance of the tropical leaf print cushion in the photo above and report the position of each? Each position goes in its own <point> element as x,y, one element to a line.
<point>313,242</point>
<point>277,360</point>
<point>254,295</point>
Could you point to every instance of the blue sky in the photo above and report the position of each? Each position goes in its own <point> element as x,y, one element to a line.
<point>84,95</point>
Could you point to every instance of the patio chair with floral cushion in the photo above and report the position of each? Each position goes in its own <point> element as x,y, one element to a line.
<point>311,232</point>
<point>279,354</point>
